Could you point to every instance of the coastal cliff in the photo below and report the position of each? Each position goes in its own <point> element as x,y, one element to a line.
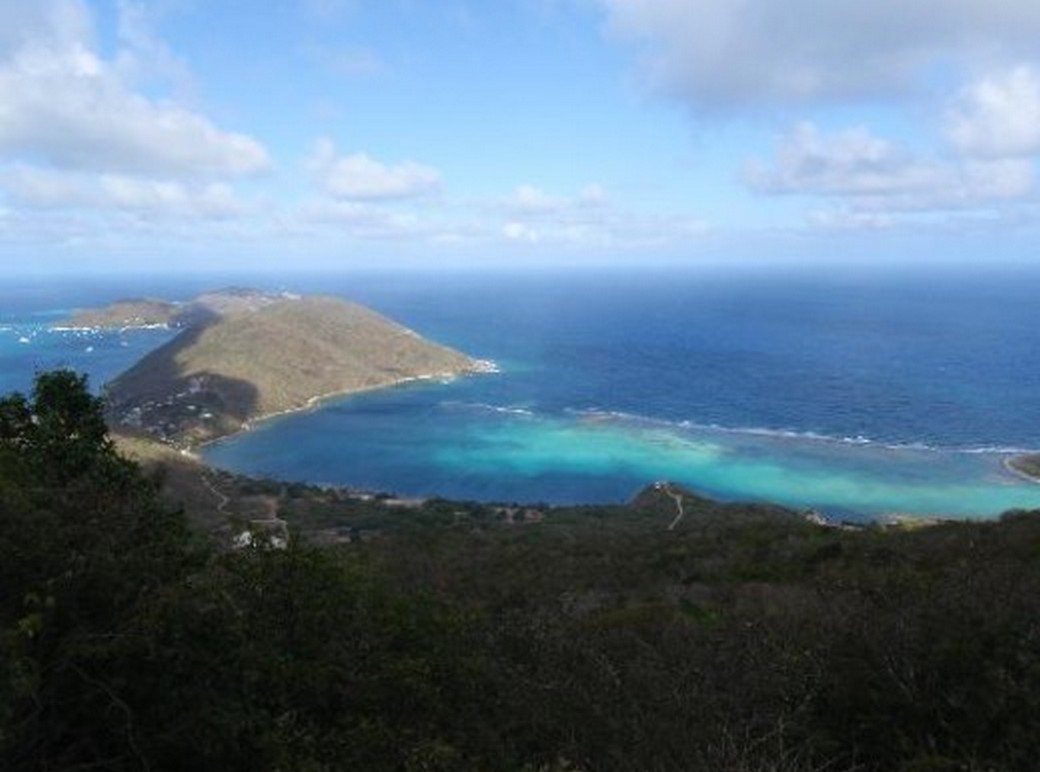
<point>244,356</point>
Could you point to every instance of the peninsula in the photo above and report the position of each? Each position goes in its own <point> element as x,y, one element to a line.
<point>243,356</point>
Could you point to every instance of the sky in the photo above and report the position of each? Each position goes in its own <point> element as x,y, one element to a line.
<point>293,134</point>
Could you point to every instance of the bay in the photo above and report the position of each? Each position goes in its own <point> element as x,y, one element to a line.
<point>857,395</point>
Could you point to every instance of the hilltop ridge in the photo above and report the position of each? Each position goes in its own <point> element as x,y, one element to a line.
<point>155,312</point>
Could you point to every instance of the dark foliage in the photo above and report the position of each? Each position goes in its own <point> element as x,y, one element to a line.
<point>745,639</point>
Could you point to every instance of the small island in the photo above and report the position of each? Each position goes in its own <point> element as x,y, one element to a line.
<point>138,313</point>
<point>1026,465</point>
<point>243,356</point>
<point>132,313</point>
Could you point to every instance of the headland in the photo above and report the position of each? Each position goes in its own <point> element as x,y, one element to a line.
<point>242,356</point>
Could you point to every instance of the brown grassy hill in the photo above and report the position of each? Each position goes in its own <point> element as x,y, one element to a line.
<point>185,482</point>
<point>260,359</point>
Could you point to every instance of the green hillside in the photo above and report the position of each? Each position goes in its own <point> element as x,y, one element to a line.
<point>458,636</point>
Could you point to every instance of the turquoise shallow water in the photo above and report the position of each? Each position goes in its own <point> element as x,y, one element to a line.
<point>418,440</point>
<point>855,396</point>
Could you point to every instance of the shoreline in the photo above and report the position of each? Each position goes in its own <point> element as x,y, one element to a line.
<point>837,516</point>
<point>1009,466</point>
<point>895,519</point>
<point>478,367</point>
<point>117,328</point>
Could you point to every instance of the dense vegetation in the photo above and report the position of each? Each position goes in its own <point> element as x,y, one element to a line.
<point>745,639</point>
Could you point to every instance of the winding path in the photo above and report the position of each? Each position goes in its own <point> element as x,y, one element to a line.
<point>677,497</point>
<point>222,500</point>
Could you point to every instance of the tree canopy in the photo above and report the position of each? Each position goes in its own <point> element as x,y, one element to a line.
<point>595,640</point>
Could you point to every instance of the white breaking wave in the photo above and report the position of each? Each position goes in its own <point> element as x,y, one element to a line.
<point>792,434</point>
<point>485,407</point>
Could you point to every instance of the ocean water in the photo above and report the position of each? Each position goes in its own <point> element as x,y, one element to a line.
<point>857,395</point>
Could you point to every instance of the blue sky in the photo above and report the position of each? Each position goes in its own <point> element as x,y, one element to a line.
<point>230,134</point>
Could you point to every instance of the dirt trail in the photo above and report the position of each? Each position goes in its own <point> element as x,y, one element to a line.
<point>677,497</point>
<point>222,500</point>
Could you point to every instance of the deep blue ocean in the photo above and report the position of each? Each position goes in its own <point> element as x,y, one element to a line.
<point>855,394</point>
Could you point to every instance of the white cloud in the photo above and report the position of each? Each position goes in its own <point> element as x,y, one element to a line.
<point>843,219</point>
<point>726,53</point>
<point>143,57</point>
<point>850,162</point>
<point>620,230</point>
<point>531,200</point>
<point>529,216</point>
<point>587,219</point>
<point>212,200</point>
<point>872,176</point>
<point>593,195</point>
<point>359,177</point>
<point>999,116</point>
<point>63,104</point>
<point>363,220</point>
<point>43,188</point>
<point>64,22</point>
<point>518,231</point>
